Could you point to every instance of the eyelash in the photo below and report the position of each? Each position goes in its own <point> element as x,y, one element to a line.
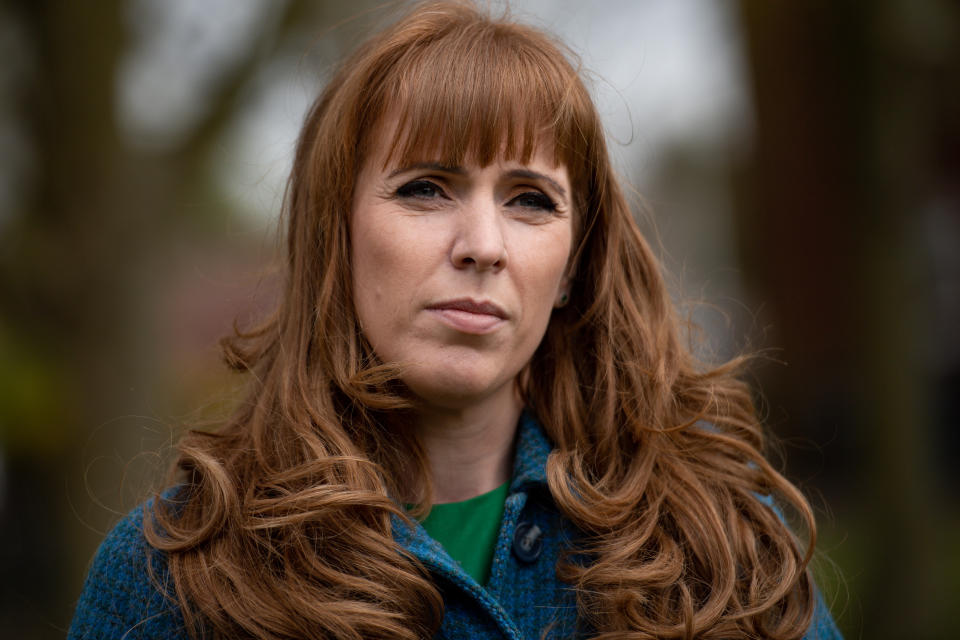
<point>410,189</point>
<point>415,190</point>
<point>541,201</point>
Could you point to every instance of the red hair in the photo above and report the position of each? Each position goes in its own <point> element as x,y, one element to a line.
<point>284,530</point>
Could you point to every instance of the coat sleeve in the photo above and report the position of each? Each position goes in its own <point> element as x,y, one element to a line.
<point>125,593</point>
<point>822,627</point>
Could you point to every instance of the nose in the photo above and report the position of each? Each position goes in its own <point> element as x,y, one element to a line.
<point>479,242</point>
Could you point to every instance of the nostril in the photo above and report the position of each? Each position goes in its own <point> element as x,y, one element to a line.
<point>479,247</point>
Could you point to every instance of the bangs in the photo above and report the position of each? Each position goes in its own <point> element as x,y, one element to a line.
<point>481,93</point>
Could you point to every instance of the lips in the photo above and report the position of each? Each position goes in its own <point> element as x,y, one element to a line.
<point>469,316</point>
<point>470,306</point>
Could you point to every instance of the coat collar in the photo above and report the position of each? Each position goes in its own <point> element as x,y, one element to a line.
<point>529,472</point>
<point>530,459</point>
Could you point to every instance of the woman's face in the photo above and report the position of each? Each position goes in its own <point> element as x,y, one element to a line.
<point>456,269</point>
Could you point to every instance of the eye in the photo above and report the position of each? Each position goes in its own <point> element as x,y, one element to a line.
<point>420,189</point>
<point>534,200</point>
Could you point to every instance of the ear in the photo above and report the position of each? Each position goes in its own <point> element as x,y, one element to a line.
<point>563,293</point>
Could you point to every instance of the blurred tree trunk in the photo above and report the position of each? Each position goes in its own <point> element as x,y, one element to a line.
<point>71,264</point>
<point>828,228</point>
<point>63,298</point>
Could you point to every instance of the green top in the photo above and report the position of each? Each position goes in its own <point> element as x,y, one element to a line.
<point>468,529</point>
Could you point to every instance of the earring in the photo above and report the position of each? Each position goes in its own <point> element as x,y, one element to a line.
<point>564,299</point>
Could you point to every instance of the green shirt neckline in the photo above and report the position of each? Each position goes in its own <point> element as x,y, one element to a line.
<point>468,529</point>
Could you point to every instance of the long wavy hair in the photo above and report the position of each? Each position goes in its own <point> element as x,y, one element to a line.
<point>281,526</point>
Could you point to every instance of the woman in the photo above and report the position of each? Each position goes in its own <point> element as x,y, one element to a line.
<point>471,320</point>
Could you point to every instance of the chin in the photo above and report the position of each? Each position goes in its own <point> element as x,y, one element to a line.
<point>455,389</point>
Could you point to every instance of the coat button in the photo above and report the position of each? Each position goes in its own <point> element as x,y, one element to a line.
<point>527,544</point>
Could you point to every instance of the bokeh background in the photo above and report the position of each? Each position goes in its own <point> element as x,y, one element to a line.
<point>800,164</point>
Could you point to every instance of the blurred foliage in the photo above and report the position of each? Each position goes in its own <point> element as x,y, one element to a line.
<point>29,379</point>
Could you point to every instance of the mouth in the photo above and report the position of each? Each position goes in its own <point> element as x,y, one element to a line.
<point>469,316</point>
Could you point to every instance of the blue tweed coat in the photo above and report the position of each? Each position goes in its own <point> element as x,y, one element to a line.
<point>523,599</point>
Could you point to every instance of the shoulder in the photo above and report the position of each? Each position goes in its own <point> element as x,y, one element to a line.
<point>126,592</point>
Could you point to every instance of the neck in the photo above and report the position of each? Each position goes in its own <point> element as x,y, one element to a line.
<point>470,449</point>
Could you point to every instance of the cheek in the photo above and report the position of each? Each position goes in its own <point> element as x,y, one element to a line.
<point>545,268</point>
<point>372,263</point>
<point>539,280</point>
<point>368,259</point>
<point>385,253</point>
<point>388,268</point>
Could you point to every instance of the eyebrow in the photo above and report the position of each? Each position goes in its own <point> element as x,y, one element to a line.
<point>460,171</point>
<point>433,166</point>
<point>534,175</point>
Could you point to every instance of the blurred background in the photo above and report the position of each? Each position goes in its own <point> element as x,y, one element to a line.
<point>800,165</point>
